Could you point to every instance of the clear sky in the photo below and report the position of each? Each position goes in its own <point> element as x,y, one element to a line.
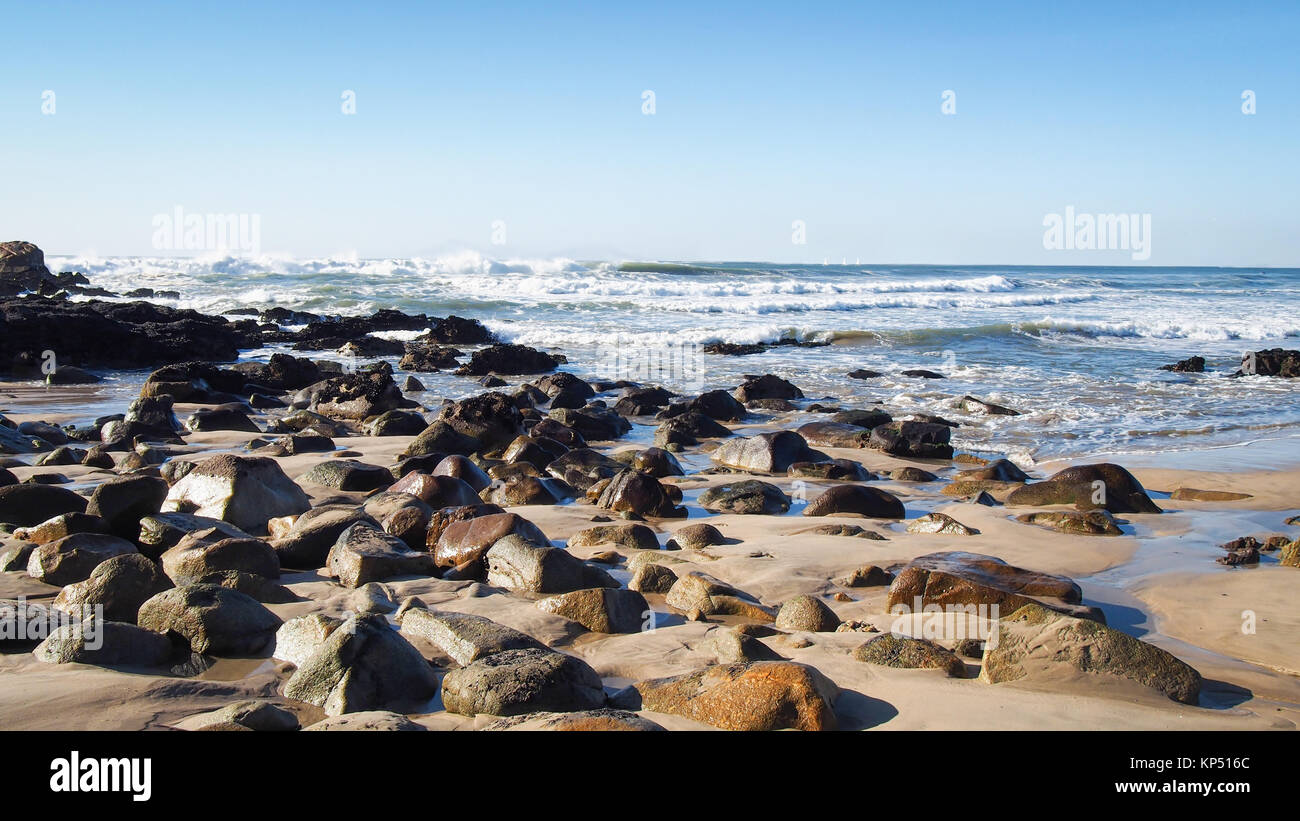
<point>531,114</point>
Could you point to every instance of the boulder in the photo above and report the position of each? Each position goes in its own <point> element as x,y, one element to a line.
<point>251,714</point>
<point>492,418</point>
<point>347,474</point>
<point>1195,364</point>
<point>1092,523</point>
<point>313,534</point>
<point>243,490</point>
<point>367,721</point>
<point>652,578</point>
<point>687,429</point>
<point>640,494</point>
<point>523,490</point>
<point>764,453</point>
<point>355,396</point>
<point>763,695</point>
<point>583,467</point>
<point>1035,643</point>
<point>1088,487</point>
<point>861,500</point>
<point>26,505</point>
<point>396,423</point>
<point>458,467</point>
<point>767,386</point>
<point>463,637</point>
<point>365,553</point>
<point>124,501</point>
<point>209,551</point>
<point>630,536</point>
<point>696,537</point>
<point>517,564</point>
<point>363,665</point>
<point>862,418</point>
<point>835,435</point>
<point>428,358</point>
<point>749,496</point>
<point>215,620</point>
<point>119,585</point>
<point>979,407</point>
<point>65,524</point>
<point>1272,362</point>
<point>165,530</point>
<point>437,491</point>
<point>223,417</point>
<point>922,440</point>
<point>807,613</point>
<point>594,424</point>
<point>515,682</point>
<point>1001,470</point>
<point>73,558</point>
<point>105,644</point>
<point>841,469</point>
<point>718,405</point>
<point>470,539</point>
<point>508,359</point>
<point>601,609</point>
<point>940,523</point>
<point>441,438</point>
<point>890,650</point>
<point>958,578</point>
<point>581,721</point>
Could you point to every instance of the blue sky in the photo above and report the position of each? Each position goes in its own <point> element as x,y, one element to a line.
<point>765,114</point>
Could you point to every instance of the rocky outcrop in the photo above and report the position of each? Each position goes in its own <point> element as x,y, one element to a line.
<point>1088,487</point>
<point>640,494</point>
<point>463,637</point>
<point>363,664</point>
<point>764,453</point>
<point>856,499</point>
<point>243,490</point>
<point>601,610</point>
<point>1035,643</point>
<point>922,440</point>
<point>508,359</point>
<point>763,695</point>
<point>905,652</point>
<point>749,496</point>
<point>212,619</point>
<point>516,682</point>
<point>959,578</point>
<point>110,334</point>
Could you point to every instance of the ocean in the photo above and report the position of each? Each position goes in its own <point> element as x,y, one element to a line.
<point>1076,349</point>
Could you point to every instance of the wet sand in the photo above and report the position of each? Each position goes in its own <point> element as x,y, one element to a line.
<point>1158,581</point>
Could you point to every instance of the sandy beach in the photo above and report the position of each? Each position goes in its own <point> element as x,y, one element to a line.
<point>1158,582</point>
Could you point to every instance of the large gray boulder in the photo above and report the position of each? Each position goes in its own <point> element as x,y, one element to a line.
<point>764,453</point>
<point>515,682</point>
<point>119,586</point>
<point>517,564</point>
<point>73,558</point>
<point>365,553</point>
<point>215,620</point>
<point>601,609</point>
<point>464,637</point>
<point>243,490</point>
<point>363,665</point>
<point>105,644</point>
